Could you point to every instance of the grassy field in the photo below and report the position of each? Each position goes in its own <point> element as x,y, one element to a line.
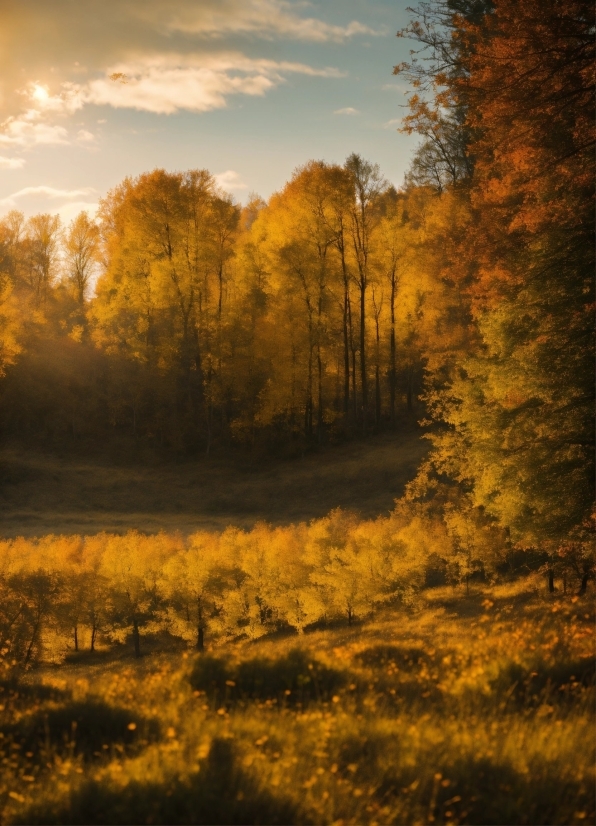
<point>43,493</point>
<point>463,708</point>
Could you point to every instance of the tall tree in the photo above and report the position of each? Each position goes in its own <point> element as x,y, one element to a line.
<point>368,185</point>
<point>81,247</point>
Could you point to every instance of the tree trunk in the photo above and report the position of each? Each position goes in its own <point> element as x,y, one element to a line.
<point>363,378</point>
<point>551,582</point>
<point>136,638</point>
<point>346,354</point>
<point>93,636</point>
<point>33,639</point>
<point>392,364</point>
<point>76,638</point>
<point>200,627</point>
<point>584,585</point>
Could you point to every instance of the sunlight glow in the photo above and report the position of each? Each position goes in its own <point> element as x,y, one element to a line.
<point>40,93</point>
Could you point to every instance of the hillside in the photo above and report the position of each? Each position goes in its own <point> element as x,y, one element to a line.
<point>460,709</point>
<point>41,493</point>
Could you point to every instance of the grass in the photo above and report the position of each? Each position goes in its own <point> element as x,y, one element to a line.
<point>44,493</point>
<point>471,709</point>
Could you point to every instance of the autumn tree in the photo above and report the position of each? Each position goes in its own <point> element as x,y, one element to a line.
<point>81,248</point>
<point>520,404</point>
<point>368,185</point>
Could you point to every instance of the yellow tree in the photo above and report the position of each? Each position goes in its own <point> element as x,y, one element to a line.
<point>42,244</point>
<point>368,186</point>
<point>132,565</point>
<point>193,581</point>
<point>167,242</point>
<point>81,248</point>
<point>300,239</point>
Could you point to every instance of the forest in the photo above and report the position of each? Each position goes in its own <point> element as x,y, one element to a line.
<point>146,674</point>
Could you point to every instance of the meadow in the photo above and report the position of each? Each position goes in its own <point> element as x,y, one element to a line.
<point>70,492</point>
<point>317,667</point>
<point>460,708</point>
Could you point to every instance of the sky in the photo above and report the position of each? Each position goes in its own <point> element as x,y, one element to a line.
<point>92,91</point>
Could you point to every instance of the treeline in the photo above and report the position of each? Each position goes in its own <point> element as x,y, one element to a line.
<point>184,320</point>
<point>62,594</point>
<point>316,314</point>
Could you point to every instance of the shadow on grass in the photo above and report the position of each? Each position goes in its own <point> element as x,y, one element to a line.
<point>473,605</point>
<point>403,657</point>
<point>15,691</point>
<point>477,790</point>
<point>292,679</point>
<point>87,727</point>
<point>221,793</point>
<point>545,680</point>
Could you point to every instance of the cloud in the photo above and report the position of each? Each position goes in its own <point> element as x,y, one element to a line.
<point>164,85</point>
<point>149,55</point>
<point>46,44</point>
<point>348,110</point>
<point>262,18</point>
<point>393,123</point>
<point>158,84</point>
<point>71,209</point>
<point>11,163</point>
<point>85,136</point>
<point>35,194</point>
<point>29,129</point>
<point>230,181</point>
<point>165,90</point>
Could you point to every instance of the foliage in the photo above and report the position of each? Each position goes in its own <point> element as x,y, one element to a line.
<point>518,401</point>
<point>473,709</point>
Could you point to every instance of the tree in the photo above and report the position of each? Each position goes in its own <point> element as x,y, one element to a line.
<point>520,405</point>
<point>81,248</point>
<point>132,566</point>
<point>193,581</point>
<point>368,185</point>
<point>42,243</point>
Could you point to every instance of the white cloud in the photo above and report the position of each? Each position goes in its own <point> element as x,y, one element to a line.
<point>28,129</point>
<point>70,210</point>
<point>35,194</point>
<point>160,84</point>
<point>393,123</point>
<point>66,102</point>
<point>167,84</point>
<point>230,181</point>
<point>348,110</point>
<point>46,43</point>
<point>263,18</point>
<point>11,163</point>
<point>168,90</point>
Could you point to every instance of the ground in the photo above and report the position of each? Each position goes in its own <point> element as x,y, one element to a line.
<point>43,493</point>
<point>462,708</point>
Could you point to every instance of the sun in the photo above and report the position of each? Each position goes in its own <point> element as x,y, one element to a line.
<point>40,93</point>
